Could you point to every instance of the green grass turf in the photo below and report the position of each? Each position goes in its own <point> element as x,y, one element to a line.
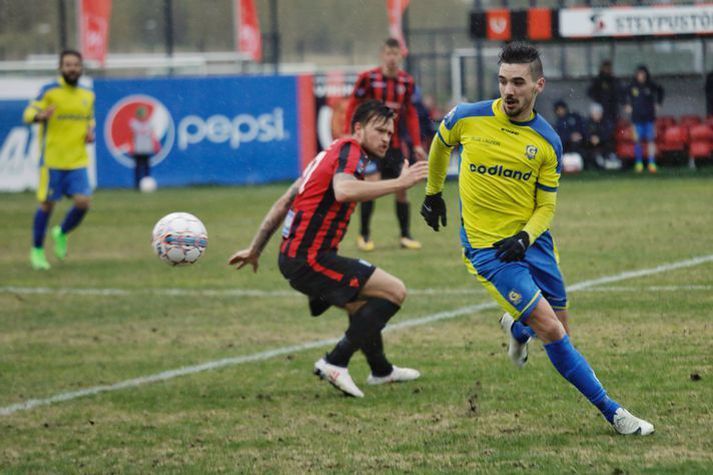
<point>471,412</point>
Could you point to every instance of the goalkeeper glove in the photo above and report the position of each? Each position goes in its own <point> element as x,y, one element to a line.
<point>433,209</point>
<point>512,248</point>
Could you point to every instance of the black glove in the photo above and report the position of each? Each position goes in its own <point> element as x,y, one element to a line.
<point>512,248</point>
<point>433,209</point>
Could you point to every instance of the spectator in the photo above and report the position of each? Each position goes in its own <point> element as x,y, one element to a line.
<point>643,98</point>
<point>570,128</point>
<point>709,93</point>
<point>143,142</point>
<point>599,140</point>
<point>605,89</point>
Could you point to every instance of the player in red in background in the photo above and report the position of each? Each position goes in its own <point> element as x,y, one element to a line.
<point>394,87</point>
<point>316,211</point>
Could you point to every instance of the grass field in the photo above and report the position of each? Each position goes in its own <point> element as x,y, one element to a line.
<point>113,312</point>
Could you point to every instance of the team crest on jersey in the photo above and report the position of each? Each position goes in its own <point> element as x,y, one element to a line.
<point>514,297</point>
<point>530,152</point>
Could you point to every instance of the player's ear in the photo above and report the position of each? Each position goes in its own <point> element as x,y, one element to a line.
<point>540,85</point>
<point>358,130</point>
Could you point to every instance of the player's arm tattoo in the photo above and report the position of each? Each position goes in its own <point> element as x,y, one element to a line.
<point>275,217</point>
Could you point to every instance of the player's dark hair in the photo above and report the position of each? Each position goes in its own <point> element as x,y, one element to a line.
<point>370,110</point>
<point>69,52</point>
<point>392,43</point>
<point>519,52</point>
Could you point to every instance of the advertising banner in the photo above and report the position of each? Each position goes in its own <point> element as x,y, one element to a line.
<point>94,19</point>
<point>222,130</point>
<point>18,149</point>
<point>636,21</point>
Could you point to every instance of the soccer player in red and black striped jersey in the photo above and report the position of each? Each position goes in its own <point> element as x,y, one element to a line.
<point>394,87</point>
<point>315,211</point>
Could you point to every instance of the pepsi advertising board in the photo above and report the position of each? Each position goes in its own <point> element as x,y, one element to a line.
<point>225,130</point>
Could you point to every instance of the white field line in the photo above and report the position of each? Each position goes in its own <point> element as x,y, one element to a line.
<point>257,293</point>
<point>116,292</point>
<point>264,355</point>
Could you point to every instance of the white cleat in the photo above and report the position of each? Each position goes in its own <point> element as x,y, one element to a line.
<point>516,351</point>
<point>337,377</point>
<point>397,375</point>
<point>627,424</point>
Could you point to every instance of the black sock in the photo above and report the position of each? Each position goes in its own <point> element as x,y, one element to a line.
<point>367,208</point>
<point>365,332</point>
<point>403,214</point>
<point>341,353</point>
<point>374,352</point>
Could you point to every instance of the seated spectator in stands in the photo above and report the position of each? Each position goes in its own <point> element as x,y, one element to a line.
<point>570,128</point>
<point>643,99</point>
<point>599,140</point>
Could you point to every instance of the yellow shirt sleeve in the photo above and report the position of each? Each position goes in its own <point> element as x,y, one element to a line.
<point>35,106</point>
<point>545,198</point>
<point>439,156</point>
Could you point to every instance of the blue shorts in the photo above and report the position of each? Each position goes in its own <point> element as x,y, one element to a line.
<point>645,131</point>
<point>56,183</point>
<point>518,286</point>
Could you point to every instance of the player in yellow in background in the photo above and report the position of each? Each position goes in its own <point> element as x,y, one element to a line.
<point>509,174</point>
<point>65,112</point>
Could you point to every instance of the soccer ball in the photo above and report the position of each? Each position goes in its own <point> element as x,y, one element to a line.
<point>179,238</point>
<point>147,184</point>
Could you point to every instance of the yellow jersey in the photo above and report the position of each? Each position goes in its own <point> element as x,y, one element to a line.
<point>508,175</point>
<point>63,136</point>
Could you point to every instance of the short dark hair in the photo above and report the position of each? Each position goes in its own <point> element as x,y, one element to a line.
<point>370,110</point>
<point>519,52</point>
<point>392,43</point>
<point>69,52</point>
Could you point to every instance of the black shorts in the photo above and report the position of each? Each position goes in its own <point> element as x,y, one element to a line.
<point>390,166</point>
<point>332,280</point>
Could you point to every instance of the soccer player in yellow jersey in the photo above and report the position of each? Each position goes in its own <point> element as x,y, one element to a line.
<point>509,173</point>
<point>65,112</point>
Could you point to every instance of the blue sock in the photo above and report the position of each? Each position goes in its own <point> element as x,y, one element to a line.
<point>575,369</point>
<point>638,154</point>
<point>73,218</point>
<point>39,227</point>
<point>521,332</point>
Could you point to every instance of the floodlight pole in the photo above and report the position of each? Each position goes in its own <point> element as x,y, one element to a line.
<point>62,20</point>
<point>275,37</point>
<point>168,30</point>
<point>405,29</point>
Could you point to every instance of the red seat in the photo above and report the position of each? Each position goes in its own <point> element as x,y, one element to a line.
<point>625,150</point>
<point>700,149</point>
<point>701,132</point>
<point>709,121</point>
<point>675,139</point>
<point>690,120</point>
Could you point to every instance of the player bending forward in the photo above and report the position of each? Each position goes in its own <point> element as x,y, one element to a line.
<point>509,173</point>
<point>316,211</point>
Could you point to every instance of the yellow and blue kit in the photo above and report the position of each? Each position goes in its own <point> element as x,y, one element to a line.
<point>63,138</point>
<point>508,177</point>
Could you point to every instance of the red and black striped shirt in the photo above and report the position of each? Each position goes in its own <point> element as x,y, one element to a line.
<point>396,92</point>
<point>316,221</point>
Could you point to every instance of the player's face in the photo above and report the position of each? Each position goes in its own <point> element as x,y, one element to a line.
<point>375,136</point>
<point>391,58</point>
<point>71,68</point>
<point>518,90</point>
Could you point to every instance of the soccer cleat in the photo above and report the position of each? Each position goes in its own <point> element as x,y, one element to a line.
<point>397,375</point>
<point>38,259</point>
<point>366,245</point>
<point>60,242</point>
<point>337,377</point>
<point>627,424</point>
<point>639,167</point>
<point>516,351</point>
<point>408,243</point>
<point>652,168</point>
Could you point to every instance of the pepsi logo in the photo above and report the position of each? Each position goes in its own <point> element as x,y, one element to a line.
<point>118,134</point>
